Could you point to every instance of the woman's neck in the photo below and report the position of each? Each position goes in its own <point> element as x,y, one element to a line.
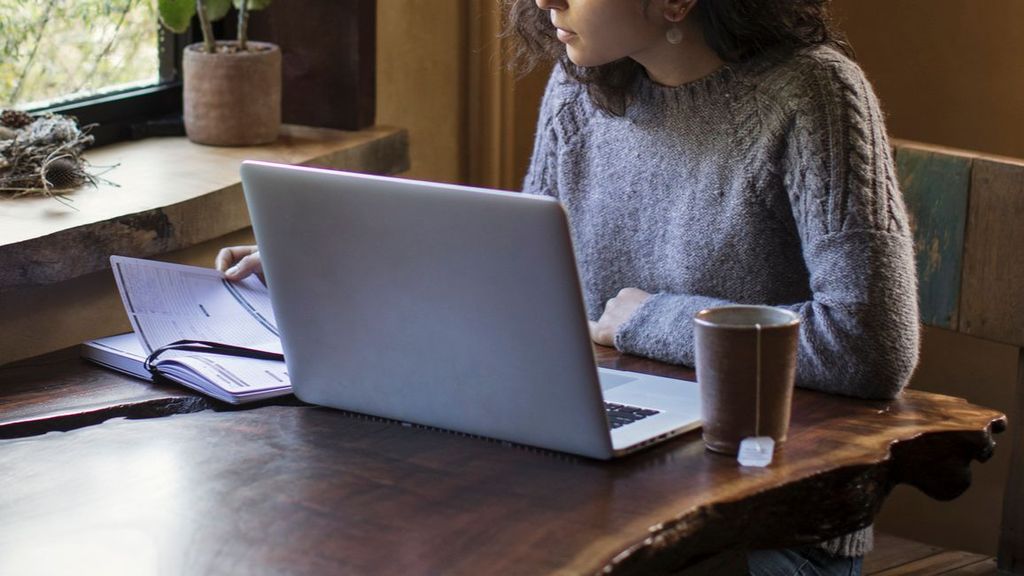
<point>678,64</point>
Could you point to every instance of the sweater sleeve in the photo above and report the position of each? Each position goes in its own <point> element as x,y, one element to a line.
<point>859,333</point>
<point>541,175</point>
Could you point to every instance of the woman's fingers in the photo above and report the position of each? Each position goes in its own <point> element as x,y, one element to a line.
<point>237,262</point>
<point>228,257</point>
<point>616,311</point>
<point>600,333</point>
<point>246,266</point>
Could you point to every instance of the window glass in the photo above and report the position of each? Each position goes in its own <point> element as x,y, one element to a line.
<point>55,51</point>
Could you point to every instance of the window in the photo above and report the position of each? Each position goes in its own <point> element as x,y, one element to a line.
<point>104,61</point>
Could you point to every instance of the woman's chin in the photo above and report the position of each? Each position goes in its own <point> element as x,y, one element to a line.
<point>582,59</point>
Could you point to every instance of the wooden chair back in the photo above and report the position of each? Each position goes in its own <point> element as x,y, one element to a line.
<point>967,212</point>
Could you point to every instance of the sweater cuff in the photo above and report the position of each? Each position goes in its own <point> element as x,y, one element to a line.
<point>851,545</point>
<point>662,327</point>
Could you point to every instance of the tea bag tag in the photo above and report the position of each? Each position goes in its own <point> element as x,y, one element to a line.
<point>756,451</point>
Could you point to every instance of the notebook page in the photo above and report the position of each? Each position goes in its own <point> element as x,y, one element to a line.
<point>169,302</point>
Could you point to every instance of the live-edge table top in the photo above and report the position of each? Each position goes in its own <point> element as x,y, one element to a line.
<point>102,473</point>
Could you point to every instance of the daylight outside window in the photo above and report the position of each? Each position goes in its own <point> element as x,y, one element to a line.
<point>58,51</point>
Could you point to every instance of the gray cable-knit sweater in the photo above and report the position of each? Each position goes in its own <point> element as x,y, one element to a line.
<point>768,182</point>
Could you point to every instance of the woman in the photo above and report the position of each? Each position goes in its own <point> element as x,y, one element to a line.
<point>727,151</point>
<point>722,151</point>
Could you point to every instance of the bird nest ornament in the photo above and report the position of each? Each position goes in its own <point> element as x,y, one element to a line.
<point>42,155</point>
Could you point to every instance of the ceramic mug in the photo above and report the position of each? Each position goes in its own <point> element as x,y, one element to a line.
<point>746,364</point>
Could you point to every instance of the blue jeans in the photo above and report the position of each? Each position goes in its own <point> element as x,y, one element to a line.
<point>801,562</point>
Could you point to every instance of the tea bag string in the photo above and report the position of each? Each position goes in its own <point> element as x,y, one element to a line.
<point>757,386</point>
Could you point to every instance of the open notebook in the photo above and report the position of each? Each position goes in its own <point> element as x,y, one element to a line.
<point>167,303</point>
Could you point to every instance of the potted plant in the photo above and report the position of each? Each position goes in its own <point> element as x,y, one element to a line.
<point>232,92</point>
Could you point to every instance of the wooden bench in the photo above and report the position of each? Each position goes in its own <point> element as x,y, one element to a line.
<point>967,212</point>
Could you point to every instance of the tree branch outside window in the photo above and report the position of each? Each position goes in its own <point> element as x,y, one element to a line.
<point>55,51</point>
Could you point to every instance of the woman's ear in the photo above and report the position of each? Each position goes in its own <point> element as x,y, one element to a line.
<point>677,10</point>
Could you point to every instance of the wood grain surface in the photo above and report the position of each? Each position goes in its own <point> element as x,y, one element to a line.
<point>935,187</point>
<point>992,297</point>
<point>306,490</point>
<point>330,57</point>
<point>59,391</point>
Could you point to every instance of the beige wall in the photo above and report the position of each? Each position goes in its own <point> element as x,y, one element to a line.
<point>948,72</point>
<point>440,75</point>
<point>421,81</point>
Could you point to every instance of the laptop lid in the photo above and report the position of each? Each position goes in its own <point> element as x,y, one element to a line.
<point>440,305</point>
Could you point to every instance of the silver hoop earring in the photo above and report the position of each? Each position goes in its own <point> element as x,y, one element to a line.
<point>674,35</point>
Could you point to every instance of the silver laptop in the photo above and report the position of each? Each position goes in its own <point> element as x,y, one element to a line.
<point>446,306</point>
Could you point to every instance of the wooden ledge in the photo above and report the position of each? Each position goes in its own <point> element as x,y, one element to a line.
<point>165,194</point>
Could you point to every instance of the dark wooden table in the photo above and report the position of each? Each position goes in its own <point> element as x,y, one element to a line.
<point>105,474</point>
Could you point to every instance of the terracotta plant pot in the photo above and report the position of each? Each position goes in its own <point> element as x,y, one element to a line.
<point>233,99</point>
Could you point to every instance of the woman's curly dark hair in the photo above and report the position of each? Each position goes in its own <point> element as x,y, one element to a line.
<point>735,29</point>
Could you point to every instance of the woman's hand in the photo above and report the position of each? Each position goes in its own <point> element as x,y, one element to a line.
<point>237,262</point>
<point>616,311</point>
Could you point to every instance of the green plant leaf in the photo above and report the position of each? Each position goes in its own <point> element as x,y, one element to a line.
<point>254,4</point>
<point>216,9</point>
<point>176,14</point>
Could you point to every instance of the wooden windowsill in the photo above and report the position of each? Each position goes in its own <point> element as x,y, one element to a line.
<point>165,194</point>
